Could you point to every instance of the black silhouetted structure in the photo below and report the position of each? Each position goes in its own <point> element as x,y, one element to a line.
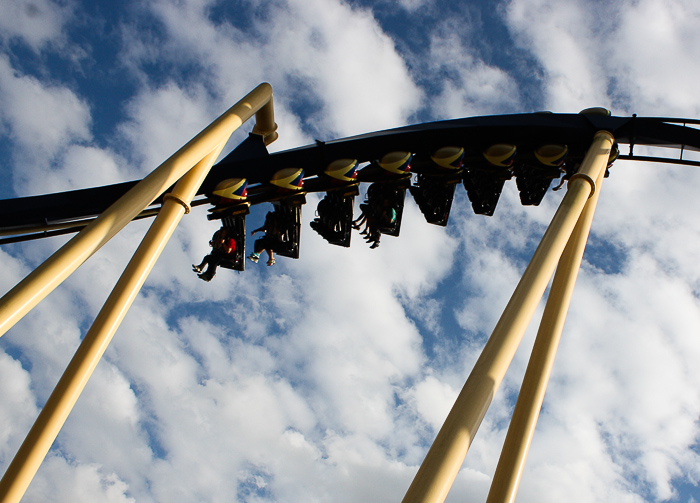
<point>434,195</point>
<point>46,215</point>
<point>334,216</point>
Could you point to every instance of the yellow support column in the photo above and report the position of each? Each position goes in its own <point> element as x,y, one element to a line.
<point>54,414</point>
<point>201,152</point>
<point>39,283</point>
<point>506,479</point>
<point>445,457</point>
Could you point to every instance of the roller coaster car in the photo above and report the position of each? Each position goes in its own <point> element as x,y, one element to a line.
<point>534,178</point>
<point>288,212</point>
<point>388,195</point>
<point>233,220</point>
<point>484,186</point>
<point>334,216</point>
<point>434,195</point>
<point>533,181</point>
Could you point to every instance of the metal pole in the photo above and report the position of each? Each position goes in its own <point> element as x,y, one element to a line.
<point>506,479</point>
<point>39,283</point>
<point>445,457</point>
<point>54,414</point>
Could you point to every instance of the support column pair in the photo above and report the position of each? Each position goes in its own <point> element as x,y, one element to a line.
<point>446,456</point>
<point>194,161</point>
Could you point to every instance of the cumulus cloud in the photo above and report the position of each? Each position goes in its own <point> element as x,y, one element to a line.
<point>563,37</point>
<point>18,408</point>
<point>163,119</point>
<point>469,86</point>
<point>37,23</point>
<point>616,55</point>
<point>59,481</point>
<point>336,59</point>
<point>653,53</point>
<point>41,118</point>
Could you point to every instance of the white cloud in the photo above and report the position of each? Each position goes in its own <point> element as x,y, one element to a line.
<point>469,86</point>
<point>162,120</point>
<point>434,399</point>
<point>564,38</point>
<point>324,55</point>
<point>654,56</point>
<point>37,23</point>
<point>59,481</point>
<point>350,62</point>
<point>635,56</point>
<point>83,166</point>
<point>42,120</point>
<point>17,408</point>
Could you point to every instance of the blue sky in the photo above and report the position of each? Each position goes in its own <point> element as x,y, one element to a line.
<point>326,378</point>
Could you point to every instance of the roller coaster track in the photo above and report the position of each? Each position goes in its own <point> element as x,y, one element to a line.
<point>41,216</point>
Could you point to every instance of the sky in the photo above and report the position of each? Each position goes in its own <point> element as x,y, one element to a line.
<point>326,378</point>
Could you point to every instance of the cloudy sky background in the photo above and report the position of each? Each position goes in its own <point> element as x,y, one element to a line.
<point>326,378</point>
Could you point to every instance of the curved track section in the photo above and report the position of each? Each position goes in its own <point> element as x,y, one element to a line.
<point>68,211</point>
